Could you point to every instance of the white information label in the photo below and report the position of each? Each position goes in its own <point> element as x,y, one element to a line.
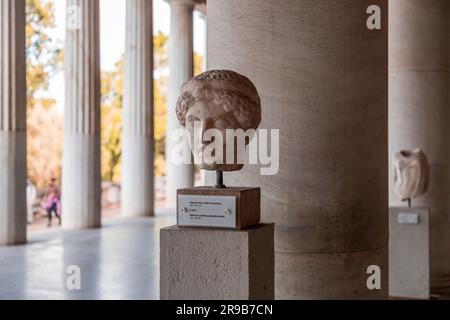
<point>408,218</point>
<point>206,211</point>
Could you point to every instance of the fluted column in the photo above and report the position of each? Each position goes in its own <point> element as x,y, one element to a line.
<point>181,70</point>
<point>323,80</point>
<point>138,137</point>
<point>13,168</point>
<point>81,190</point>
<point>419,111</point>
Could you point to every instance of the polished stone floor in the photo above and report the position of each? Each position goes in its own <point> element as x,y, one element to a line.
<point>118,261</point>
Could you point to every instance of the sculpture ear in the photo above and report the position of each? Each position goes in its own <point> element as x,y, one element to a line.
<point>395,174</point>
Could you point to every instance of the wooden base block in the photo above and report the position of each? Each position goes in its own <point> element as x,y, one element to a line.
<point>231,207</point>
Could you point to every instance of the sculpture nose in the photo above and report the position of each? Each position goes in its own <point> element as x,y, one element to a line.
<point>207,124</point>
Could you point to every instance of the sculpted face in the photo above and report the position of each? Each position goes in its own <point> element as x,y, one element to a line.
<point>201,117</point>
<point>209,105</point>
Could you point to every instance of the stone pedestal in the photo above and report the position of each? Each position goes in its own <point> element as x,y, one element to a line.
<point>198,264</point>
<point>409,252</point>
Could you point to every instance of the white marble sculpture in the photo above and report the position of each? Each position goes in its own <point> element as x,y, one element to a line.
<point>411,174</point>
<point>218,99</point>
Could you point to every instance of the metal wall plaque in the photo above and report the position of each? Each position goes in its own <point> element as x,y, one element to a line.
<point>206,211</point>
<point>408,218</point>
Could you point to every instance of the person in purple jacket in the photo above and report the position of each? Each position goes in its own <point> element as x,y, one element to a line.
<point>52,201</point>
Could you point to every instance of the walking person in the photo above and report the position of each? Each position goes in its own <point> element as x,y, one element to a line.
<point>52,202</point>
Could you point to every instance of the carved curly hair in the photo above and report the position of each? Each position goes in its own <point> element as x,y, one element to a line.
<point>233,92</point>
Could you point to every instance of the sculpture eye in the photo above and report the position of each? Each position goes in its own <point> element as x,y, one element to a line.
<point>192,119</point>
<point>222,123</point>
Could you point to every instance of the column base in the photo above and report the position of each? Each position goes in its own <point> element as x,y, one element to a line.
<point>81,182</point>
<point>137,177</point>
<point>13,175</point>
<point>327,276</point>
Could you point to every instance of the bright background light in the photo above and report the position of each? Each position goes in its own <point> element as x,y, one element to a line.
<point>112,36</point>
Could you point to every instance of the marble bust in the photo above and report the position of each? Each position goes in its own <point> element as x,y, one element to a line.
<point>411,174</point>
<point>221,100</point>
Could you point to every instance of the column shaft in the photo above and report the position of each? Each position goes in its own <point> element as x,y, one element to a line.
<point>419,106</point>
<point>181,70</point>
<point>81,190</point>
<point>138,136</point>
<point>13,168</point>
<point>322,77</point>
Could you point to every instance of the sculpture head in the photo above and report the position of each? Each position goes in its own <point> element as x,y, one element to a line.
<point>221,100</point>
<point>410,174</point>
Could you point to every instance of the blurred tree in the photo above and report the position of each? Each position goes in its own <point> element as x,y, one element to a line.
<point>44,54</point>
<point>160,112</point>
<point>44,58</point>
<point>112,99</point>
<point>160,42</point>
<point>111,122</point>
<point>161,59</point>
<point>198,64</point>
<point>44,147</point>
